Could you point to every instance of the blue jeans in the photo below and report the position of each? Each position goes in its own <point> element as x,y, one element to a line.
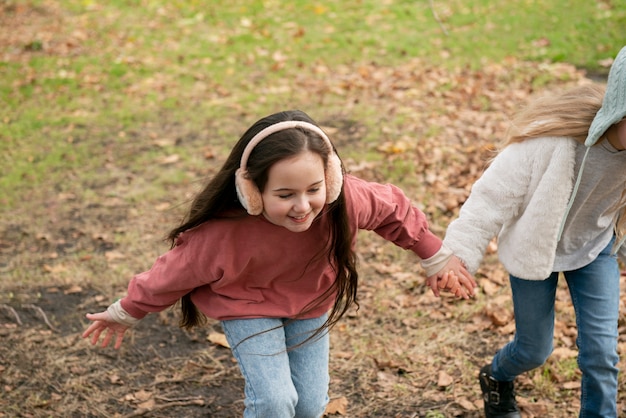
<point>281,383</point>
<point>594,290</point>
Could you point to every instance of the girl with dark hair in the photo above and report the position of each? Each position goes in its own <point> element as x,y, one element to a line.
<point>268,249</point>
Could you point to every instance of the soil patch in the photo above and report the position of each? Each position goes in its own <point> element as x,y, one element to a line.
<point>47,369</point>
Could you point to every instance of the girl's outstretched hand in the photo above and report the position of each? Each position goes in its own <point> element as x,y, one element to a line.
<point>453,277</point>
<point>102,322</point>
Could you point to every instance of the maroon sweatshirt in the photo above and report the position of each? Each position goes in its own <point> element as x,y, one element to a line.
<point>243,266</point>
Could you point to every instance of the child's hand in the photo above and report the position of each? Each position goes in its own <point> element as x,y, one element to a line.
<point>454,278</point>
<point>101,322</point>
<point>450,282</point>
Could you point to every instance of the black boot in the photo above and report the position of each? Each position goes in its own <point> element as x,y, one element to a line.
<point>499,397</point>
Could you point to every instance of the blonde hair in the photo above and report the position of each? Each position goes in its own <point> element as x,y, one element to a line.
<point>568,114</point>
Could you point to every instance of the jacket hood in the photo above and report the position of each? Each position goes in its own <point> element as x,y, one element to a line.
<point>613,110</point>
<point>614,103</point>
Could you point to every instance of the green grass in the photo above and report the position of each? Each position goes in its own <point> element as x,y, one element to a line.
<point>102,68</point>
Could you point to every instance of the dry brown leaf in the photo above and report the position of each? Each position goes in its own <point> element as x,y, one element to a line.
<point>571,385</point>
<point>164,142</point>
<point>170,159</point>
<point>467,404</point>
<point>73,289</point>
<point>444,379</point>
<point>386,364</point>
<point>507,329</point>
<point>561,353</point>
<point>147,405</point>
<point>142,395</point>
<point>114,379</point>
<point>532,409</point>
<point>397,147</point>
<point>489,288</point>
<point>162,206</point>
<point>479,323</point>
<point>114,255</point>
<point>57,268</point>
<point>499,315</point>
<point>450,203</point>
<point>337,406</point>
<point>218,338</point>
<point>344,355</point>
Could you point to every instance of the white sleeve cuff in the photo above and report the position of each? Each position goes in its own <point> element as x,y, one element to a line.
<point>118,314</point>
<point>438,261</point>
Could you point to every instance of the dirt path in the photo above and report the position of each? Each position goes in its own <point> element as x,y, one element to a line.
<point>161,371</point>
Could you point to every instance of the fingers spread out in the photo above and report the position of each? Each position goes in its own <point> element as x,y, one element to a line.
<point>95,330</point>
<point>119,336</point>
<point>103,327</point>
<point>96,335</point>
<point>107,337</point>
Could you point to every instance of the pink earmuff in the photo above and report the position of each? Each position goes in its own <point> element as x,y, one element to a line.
<point>249,194</point>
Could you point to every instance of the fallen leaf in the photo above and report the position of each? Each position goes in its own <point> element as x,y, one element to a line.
<point>162,206</point>
<point>170,159</point>
<point>571,385</point>
<point>444,379</point>
<point>57,268</point>
<point>115,379</point>
<point>73,290</point>
<point>142,395</point>
<point>488,287</point>
<point>467,404</point>
<point>218,338</point>
<point>149,404</point>
<point>561,353</point>
<point>113,255</point>
<point>499,315</point>
<point>337,406</point>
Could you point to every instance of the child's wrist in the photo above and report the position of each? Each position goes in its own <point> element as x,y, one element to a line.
<point>437,262</point>
<point>119,315</point>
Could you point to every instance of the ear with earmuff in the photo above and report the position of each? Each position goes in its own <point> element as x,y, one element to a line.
<point>249,194</point>
<point>334,177</point>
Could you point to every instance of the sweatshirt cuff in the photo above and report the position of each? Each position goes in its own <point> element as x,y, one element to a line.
<point>119,315</point>
<point>437,262</point>
<point>427,245</point>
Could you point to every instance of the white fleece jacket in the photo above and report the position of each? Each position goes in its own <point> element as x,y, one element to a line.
<point>521,198</point>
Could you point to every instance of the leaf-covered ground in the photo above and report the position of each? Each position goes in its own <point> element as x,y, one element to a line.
<point>404,353</point>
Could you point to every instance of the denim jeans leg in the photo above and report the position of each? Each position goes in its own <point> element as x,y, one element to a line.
<point>533,306</point>
<point>595,295</point>
<point>260,347</point>
<point>309,366</point>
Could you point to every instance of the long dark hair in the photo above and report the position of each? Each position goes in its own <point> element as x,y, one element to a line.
<point>219,196</point>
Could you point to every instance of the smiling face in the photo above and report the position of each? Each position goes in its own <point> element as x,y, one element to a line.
<point>295,192</point>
